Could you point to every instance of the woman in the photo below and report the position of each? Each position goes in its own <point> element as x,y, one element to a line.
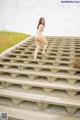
<point>39,38</point>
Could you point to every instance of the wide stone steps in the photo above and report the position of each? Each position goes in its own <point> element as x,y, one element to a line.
<point>30,115</point>
<point>26,84</point>
<point>37,68</point>
<point>49,53</point>
<point>48,86</point>
<point>32,75</point>
<point>42,101</point>
<point>38,61</point>
<point>17,55</point>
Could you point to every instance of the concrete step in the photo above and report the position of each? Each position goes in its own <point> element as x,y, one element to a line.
<point>47,88</point>
<point>42,101</point>
<point>38,61</point>
<point>55,57</point>
<point>32,75</point>
<point>20,114</point>
<point>36,68</point>
<point>49,49</point>
<point>53,52</point>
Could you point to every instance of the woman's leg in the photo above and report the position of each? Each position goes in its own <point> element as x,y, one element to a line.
<point>37,48</point>
<point>45,45</point>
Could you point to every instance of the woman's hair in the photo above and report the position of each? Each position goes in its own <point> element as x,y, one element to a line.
<point>40,22</point>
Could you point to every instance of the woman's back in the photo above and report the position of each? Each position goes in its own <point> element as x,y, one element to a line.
<point>40,30</point>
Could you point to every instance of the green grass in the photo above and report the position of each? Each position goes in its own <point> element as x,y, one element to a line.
<point>8,39</point>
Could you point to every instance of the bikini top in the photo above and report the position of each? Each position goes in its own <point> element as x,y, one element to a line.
<point>42,31</point>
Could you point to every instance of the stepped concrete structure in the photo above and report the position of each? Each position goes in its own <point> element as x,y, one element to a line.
<point>47,88</point>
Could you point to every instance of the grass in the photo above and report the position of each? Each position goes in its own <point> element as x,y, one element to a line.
<point>8,39</point>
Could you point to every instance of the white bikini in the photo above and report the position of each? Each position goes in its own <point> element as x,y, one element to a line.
<point>37,32</point>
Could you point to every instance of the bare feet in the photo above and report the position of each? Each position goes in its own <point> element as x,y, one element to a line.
<point>35,58</point>
<point>43,53</point>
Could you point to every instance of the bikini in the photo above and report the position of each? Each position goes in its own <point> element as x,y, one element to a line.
<point>37,33</point>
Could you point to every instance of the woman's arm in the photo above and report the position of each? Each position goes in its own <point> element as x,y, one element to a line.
<point>40,29</point>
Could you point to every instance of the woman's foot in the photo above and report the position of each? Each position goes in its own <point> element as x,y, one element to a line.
<point>35,58</point>
<point>43,53</point>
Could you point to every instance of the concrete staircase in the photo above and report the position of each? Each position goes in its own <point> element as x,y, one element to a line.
<point>44,89</point>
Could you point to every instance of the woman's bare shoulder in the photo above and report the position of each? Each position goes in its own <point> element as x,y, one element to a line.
<point>41,26</point>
